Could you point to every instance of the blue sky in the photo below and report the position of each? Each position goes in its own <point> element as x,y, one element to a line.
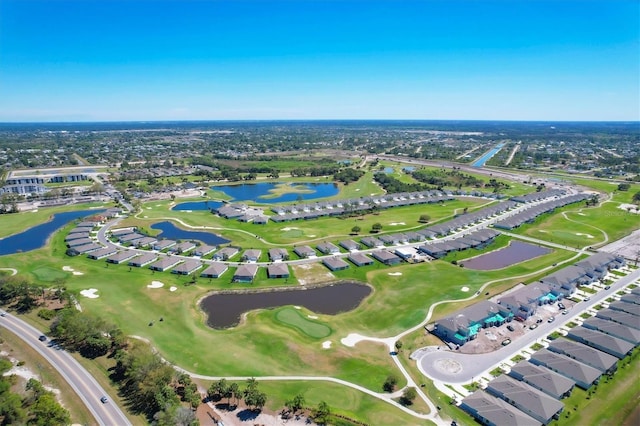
<point>89,60</point>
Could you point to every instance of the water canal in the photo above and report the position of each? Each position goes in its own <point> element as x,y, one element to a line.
<point>487,156</point>
<point>225,310</point>
<point>515,252</point>
<point>36,237</point>
<point>267,192</point>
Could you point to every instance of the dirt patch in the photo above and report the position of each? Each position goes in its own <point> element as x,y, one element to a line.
<point>312,273</point>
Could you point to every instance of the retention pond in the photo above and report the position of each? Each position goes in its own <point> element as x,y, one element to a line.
<point>515,252</point>
<point>225,310</point>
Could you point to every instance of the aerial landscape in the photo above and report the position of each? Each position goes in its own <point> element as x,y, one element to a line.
<point>319,212</point>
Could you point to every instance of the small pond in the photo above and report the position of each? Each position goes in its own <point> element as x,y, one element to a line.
<point>225,310</point>
<point>172,232</point>
<point>36,237</point>
<point>275,192</point>
<point>515,252</point>
<point>197,205</point>
<point>388,170</point>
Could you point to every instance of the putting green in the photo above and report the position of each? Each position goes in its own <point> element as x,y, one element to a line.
<point>292,317</point>
<point>48,274</point>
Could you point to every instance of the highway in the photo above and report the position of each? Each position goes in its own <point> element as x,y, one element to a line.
<point>83,383</point>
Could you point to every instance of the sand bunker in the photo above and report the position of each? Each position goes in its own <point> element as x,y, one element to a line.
<point>312,316</point>
<point>67,268</point>
<point>352,339</point>
<point>395,274</point>
<point>631,208</point>
<point>326,344</point>
<point>289,228</point>
<point>311,236</point>
<point>172,288</point>
<point>78,273</point>
<point>397,223</point>
<point>90,293</point>
<point>155,284</point>
<point>579,234</point>
<point>34,211</point>
<point>297,307</point>
<point>357,189</point>
<point>465,289</point>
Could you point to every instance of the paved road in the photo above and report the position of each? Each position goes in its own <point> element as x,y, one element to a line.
<point>471,366</point>
<point>83,383</point>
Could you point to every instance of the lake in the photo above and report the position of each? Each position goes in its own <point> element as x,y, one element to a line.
<point>172,232</point>
<point>36,237</point>
<point>515,252</point>
<point>266,192</point>
<point>225,310</point>
<point>198,205</point>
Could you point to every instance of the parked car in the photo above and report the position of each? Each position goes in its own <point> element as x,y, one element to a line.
<point>565,312</point>
<point>586,299</point>
<point>607,287</point>
<point>510,327</point>
<point>561,305</point>
<point>533,326</point>
<point>505,342</point>
<point>551,319</point>
<point>42,338</point>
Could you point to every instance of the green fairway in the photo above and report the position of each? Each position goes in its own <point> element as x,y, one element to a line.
<point>293,317</point>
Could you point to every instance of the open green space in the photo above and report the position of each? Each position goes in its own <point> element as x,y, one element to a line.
<point>293,317</point>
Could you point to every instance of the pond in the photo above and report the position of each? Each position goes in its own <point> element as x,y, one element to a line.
<point>197,205</point>
<point>36,237</point>
<point>277,192</point>
<point>514,253</point>
<point>172,232</point>
<point>225,310</point>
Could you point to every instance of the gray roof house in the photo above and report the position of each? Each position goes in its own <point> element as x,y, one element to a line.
<point>276,254</point>
<point>304,252</point>
<point>164,263</point>
<point>597,359</point>
<point>122,256</point>
<point>328,248</point>
<point>251,255</point>
<point>631,298</point>
<point>203,250</point>
<point>491,411</point>
<point>541,378</point>
<point>530,401</point>
<point>582,374</point>
<point>225,253</point>
<point>102,253</point>
<point>335,263</point>
<point>371,242</point>
<point>87,248</point>
<point>278,270</point>
<point>164,244</point>
<point>360,259</point>
<point>215,270</point>
<point>349,245</point>
<point>620,317</point>
<point>604,342</point>
<point>614,329</point>
<point>144,242</point>
<point>245,273</point>
<point>79,242</point>
<point>183,247</point>
<point>629,308</point>
<point>143,260</point>
<point>386,257</point>
<point>187,268</point>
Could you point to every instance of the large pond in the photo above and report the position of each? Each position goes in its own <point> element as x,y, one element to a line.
<point>36,237</point>
<point>197,205</point>
<point>514,253</point>
<point>225,310</point>
<point>172,232</point>
<point>275,192</point>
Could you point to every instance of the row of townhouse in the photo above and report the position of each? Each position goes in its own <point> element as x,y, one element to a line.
<point>529,215</point>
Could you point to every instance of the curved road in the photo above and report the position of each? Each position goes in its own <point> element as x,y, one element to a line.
<point>83,383</point>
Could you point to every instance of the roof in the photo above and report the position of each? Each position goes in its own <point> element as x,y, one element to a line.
<point>277,269</point>
<point>252,253</point>
<point>104,252</point>
<point>584,353</point>
<point>277,253</point>
<point>327,247</point>
<point>620,317</point>
<point>349,244</point>
<point>246,270</point>
<point>384,255</point>
<point>542,378</point>
<point>165,262</point>
<point>163,244</point>
<point>335,263</point>
<point>617,347</point>
<point>629,308</point>
<point>122,256</point>
<point>215,269</point>
<point>187,266</point>
<point>566,366</point>
<point>304,250</point>
<point>621,331</point>
<point>534,402</point>
<point>497,411</point>
<point>143,259</point>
